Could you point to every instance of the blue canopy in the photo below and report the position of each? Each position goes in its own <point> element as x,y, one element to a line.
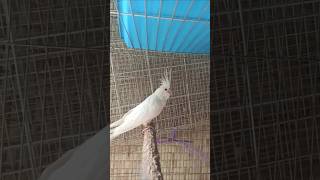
<point>180,26</point>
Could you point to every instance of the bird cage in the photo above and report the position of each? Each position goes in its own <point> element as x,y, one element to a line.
<point>136,66</point>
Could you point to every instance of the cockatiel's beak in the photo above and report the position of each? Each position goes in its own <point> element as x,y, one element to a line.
<point>170,92</point>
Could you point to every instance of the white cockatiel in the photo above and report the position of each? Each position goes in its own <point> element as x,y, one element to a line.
<point>150,108</point>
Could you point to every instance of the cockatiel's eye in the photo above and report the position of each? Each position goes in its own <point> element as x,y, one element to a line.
<point>165,89</point>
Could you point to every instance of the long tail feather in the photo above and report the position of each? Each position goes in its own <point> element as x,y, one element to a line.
<point>113,134</point>
<point>113,128</point>
<point>116,123</point>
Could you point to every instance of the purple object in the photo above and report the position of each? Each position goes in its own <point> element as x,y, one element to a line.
<point>187,145</point>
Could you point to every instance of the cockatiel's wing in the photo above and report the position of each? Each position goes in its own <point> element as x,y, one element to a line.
<point>131,119</point>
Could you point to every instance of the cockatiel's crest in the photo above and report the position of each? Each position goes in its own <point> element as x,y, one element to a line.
<point>166,79</point>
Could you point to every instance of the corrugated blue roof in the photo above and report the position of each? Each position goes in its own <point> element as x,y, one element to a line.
<point>165,25</point>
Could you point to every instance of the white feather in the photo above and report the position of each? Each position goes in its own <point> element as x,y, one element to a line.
<point>147,110</point>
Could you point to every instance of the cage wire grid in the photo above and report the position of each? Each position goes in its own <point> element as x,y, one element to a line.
<point>265,94</point>
<point>53,79</point>
<point>135,74</point>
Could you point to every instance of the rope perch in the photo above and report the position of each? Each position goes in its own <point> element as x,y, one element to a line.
<point>151,169</point>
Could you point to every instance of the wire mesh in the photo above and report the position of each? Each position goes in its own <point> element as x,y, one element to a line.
<point>265,94</point>
<point>53,75</point>
<point>135,74</point>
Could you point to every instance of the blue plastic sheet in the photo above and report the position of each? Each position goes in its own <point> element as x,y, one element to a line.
<point>180,26</point>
